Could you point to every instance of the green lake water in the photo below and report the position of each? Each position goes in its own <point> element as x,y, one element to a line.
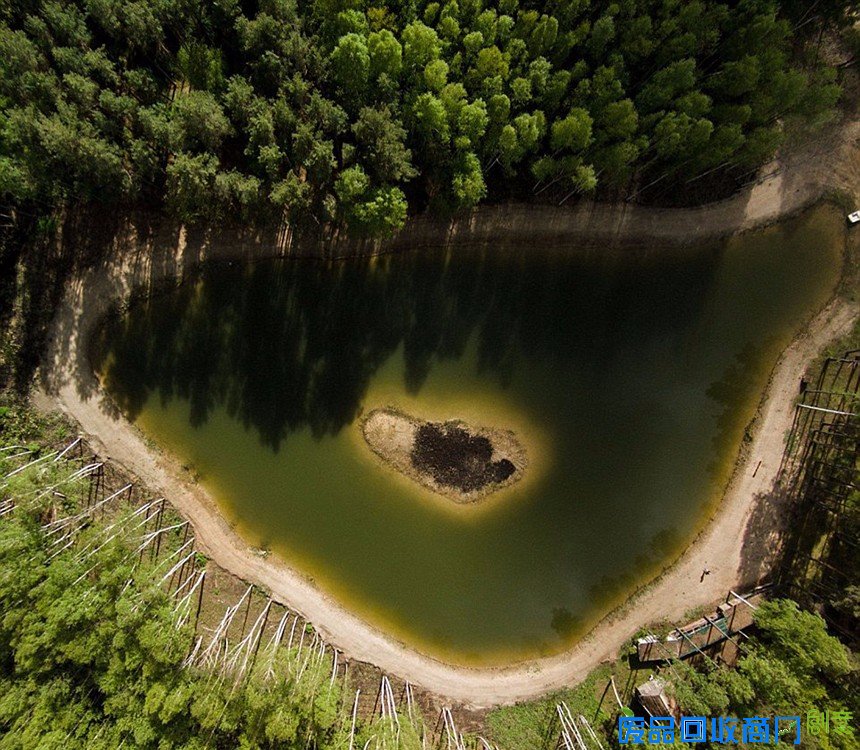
<point>628,375</point>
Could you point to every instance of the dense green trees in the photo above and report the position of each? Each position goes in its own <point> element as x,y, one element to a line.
<point>252,109</point>
<point>792,667</point>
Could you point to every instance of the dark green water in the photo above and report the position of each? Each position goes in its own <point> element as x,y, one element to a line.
<point>629,376</point>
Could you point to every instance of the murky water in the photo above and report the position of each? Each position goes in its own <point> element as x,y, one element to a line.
<point>628,375</point>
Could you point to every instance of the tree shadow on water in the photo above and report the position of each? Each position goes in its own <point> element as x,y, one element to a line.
<point>289,345</point>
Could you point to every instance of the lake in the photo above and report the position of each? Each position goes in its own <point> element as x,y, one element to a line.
<point>629,376</point>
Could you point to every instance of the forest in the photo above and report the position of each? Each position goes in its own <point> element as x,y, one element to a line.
<point>352,114</point>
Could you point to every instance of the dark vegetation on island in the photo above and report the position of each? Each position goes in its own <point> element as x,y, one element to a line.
<point>456,458</point>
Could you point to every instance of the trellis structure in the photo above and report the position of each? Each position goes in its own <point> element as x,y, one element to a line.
<point>700,637</point>
<point>823,407</point>
<point>819,473</point>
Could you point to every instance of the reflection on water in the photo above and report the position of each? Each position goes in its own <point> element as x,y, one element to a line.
<point>638,369</point>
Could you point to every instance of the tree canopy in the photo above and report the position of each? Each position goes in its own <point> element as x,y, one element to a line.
<point>253,109</point>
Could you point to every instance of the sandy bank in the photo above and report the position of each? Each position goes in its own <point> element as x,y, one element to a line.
<point>138,262</point>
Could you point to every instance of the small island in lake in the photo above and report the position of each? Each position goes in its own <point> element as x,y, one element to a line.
<point>463,462</point>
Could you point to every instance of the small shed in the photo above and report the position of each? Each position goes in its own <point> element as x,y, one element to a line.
<point>652,697</point>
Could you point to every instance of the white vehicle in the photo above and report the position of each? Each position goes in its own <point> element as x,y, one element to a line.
<point>854,218</point>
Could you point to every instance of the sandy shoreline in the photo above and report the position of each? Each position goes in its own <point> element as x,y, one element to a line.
<point>139,265</point>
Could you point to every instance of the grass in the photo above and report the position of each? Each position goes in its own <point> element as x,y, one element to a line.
<point>21,424</point>
<point>534,726</point>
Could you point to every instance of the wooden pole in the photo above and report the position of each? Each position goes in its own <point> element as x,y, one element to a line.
<point>158,528</point>
<point>199,602</point>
